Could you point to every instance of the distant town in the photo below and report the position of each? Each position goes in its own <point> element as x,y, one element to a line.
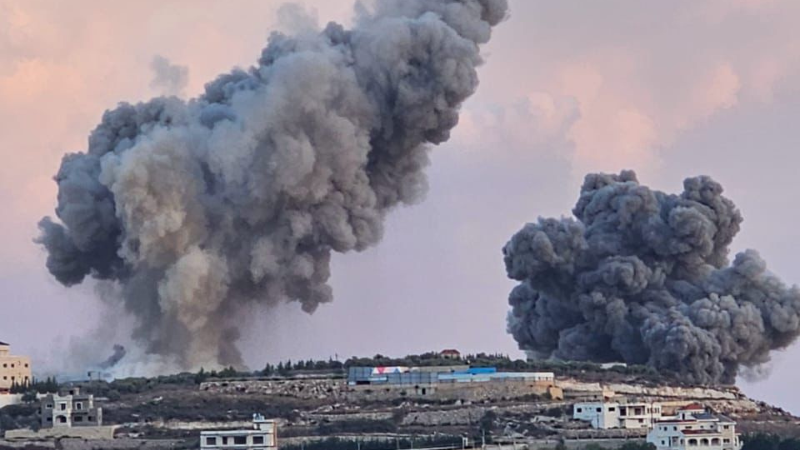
<point>435,400</point>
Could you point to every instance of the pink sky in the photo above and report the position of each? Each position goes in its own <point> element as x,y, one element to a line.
<point>671,89</point>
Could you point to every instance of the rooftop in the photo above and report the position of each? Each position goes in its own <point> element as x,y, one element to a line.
<point>693,407</point>
<point>3,343</point>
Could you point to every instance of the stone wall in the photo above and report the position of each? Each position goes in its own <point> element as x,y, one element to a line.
<point>105,432</point>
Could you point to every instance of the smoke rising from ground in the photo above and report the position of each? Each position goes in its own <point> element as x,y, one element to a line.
<point>241,195</point>
<point>642,276</point>
<point>119,353</point>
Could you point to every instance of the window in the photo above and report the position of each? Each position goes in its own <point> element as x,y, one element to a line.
<point>63,406</point>
<point>90,419</point>
<point>79,406</point>
<point>663,442</point>
<point>49,419</point>
<point>675,428</point>
<point>240,440</point>
<point>725,427</point>
<point>26,365</point>
<point>211,441</point>
<point>49,406</point>
<point>580,410</point>
<point>599,409</point>
<point>78,419</point>
<point>258,439</point>
<point>612,409</point>
<point>692,442</point>
<point>726,441</point>
<point>5,366</point>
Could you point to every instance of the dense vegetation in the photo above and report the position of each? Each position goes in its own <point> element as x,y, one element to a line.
<point>764,441</point>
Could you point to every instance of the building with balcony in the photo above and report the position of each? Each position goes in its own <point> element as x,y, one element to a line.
<point>694,428</point>
<point>70,408</point>
<point>262,436</point>
<point>606,415</point>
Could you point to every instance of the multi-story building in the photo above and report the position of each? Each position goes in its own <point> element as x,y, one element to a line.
<point>70,408</point>
<point>13,369</point>
<point>694,428</point>
<point>605,415</point>
<point>262,436</point>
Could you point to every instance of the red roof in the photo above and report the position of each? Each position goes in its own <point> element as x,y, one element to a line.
<point>450,351</point>
<point>693,407</point>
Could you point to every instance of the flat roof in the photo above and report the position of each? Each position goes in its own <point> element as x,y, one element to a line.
<point>235,432</point>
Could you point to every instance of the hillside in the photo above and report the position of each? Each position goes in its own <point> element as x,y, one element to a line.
<point>314,405</point>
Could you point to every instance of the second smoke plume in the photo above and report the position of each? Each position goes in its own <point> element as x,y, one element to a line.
<point>642,276</point>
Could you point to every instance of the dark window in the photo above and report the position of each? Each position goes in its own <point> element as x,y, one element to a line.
<point>599,409</point>
<point>612,409</point>
<point>90,418</point>
<point>258,439</point>
<point>63,406</point>
<point>78,419</point>
<point>49,419</point>
<point>239,440</point>
<point>580,410</point>
<point>211,441</point>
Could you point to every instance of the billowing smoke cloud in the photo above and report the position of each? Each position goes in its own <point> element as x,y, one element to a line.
<point>642,276</point>
<point>119,353</point>
<point>169,78</point>
<point>241,195</point>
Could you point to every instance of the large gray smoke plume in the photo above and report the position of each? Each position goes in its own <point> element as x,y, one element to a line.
<point>242,194</point>
<point>642,276</point>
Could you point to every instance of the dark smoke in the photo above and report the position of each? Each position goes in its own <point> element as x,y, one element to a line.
<point>643,277</point>
<point>241,195</point>
<point>119,353</point>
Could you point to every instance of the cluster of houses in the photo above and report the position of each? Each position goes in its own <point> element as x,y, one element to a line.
<point>692,427</point>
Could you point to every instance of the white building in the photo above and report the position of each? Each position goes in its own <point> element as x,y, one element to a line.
<point>262,436</point>
<point>605,415</point>
<point>693,428</point>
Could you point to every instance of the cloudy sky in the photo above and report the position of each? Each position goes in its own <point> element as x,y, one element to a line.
<point>670,89</point>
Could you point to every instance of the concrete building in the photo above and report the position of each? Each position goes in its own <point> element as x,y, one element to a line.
<point>13,369</point>
<point>262,436</point>
<point>69,408</point>
<point>628,415</point>
<point>694,428</point>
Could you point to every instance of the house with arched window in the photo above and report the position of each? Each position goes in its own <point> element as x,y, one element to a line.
<point>70,408</point>
<point>694,428</point>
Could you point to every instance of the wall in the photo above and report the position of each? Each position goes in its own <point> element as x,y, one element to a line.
<point>106,432</point>
<point>10,399</point>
